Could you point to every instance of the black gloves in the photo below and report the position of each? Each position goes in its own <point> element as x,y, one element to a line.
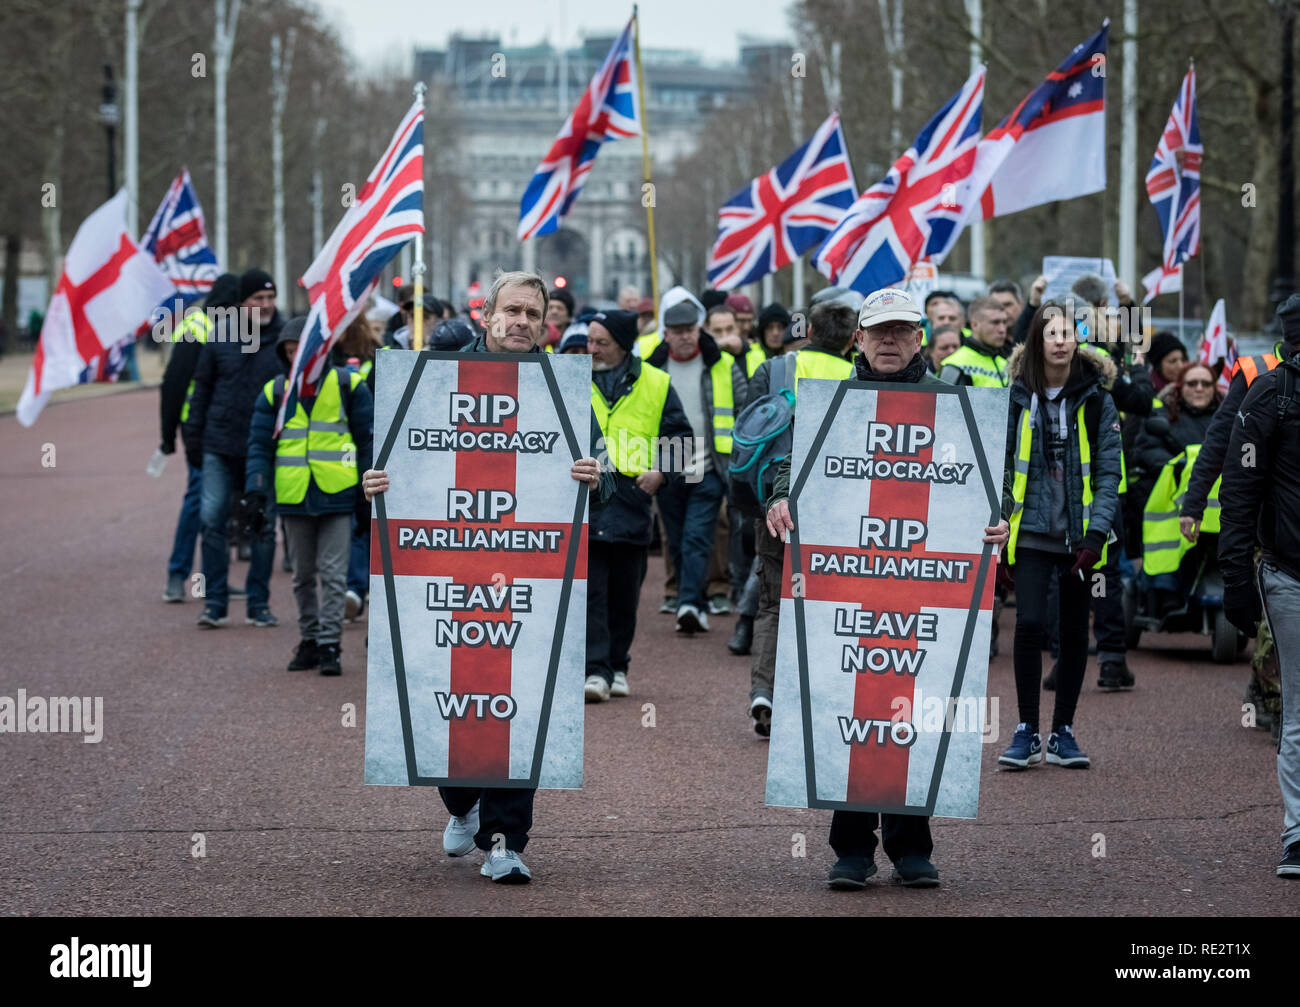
<point>253,509</point>
<point>1242,606</point>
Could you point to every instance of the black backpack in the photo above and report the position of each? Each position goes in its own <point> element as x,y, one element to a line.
<point>761,439</point>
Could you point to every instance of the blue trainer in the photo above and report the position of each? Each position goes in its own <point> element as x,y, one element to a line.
<point>1063,750</point>
<point>1026,749</point>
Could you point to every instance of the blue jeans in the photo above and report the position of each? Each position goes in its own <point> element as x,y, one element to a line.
<point>359,561</point>
<point>690,515</point>
<point>187,526</point>
<point>223,474</point>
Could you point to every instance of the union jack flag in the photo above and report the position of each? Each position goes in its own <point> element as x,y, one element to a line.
<point>780,215</point>
<point>608,110</point>
<point>917,211</point>
<point>387,211</point>
<point>178,241</point>
<point>1174,187</point>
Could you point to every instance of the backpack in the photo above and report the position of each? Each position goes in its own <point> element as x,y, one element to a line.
<point>761,439</point>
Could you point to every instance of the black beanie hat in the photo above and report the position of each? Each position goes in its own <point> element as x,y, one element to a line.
<point>253,281</point>
<point>1288,316</point>
<point>224,292</point>
<point>621,325</point>
<point>1163,344</point>
<point>774,312</point>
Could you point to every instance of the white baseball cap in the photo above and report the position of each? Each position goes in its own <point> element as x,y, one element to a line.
<point>889,305</point>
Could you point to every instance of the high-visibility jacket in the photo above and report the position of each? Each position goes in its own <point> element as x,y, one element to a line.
<point>196,326</point>
<point>366,367</point>
<point>724,403</point>
<point>631,427</point>
<point>815,364</point>
<point>647,344</point>
<point>1024,448</point>
<point>1254,366</point>
<point>984,370</point>
<point>1163,545</point>
<point>754,356</point>
<point>318,447</point>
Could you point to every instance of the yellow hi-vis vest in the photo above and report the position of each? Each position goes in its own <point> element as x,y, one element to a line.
<point>984,371</point>
<point>1024,445</point>
<point>815,364</point>
<point>631,427</point>
<point>724,403</point>
<point>753,357</point>
<point>197,326</point>
<point>1163,545</point>
<point>647,344</point>
<point>319,448</point>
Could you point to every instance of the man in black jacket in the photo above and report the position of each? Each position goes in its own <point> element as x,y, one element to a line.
<point>639,415</point>
<point>236,363</point>
<point>1209,463</point>
<point>1259,502</point>
<point>177,386</point>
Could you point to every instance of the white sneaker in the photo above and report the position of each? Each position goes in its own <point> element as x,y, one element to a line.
<point>760,715</point>
<point>596,690</point>
<point>458,836</point>
<point>505,867</point>
<point>691,620</point>
<point>619,688</point>
<point>352,605</point>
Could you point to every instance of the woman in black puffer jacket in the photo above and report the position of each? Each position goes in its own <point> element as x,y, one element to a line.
<point>1189,403</point>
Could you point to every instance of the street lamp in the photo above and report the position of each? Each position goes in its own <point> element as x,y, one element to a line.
<point>108,115</point>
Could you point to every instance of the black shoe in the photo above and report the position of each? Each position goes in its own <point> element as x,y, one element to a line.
<point>743,638</point>
<point>916,872</point>
<point>1049,683</point>
<point>851,873</point>
<point>1289,867</point>
<point>760,712</point>
<point>1115,676</point>
<point>306,657</point>
<point>329,659</point>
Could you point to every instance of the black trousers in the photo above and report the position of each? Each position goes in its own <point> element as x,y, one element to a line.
<point>615,571</point>
<point>1034,571</point>
<point>506,812</point>
<point>853,834</point>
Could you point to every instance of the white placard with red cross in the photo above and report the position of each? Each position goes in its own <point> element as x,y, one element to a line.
<point>478,562</point>
<point>882,657</point>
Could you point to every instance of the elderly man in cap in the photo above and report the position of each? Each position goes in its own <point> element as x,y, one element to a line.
<point>638,412</point>
<point>888,340</point>
<point>710,389</point>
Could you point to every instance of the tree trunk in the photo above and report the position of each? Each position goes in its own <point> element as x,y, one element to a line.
<point>1259,265</point>
<point>9,311</point>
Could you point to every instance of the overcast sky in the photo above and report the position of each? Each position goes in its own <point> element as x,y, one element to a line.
<point>374,29</point>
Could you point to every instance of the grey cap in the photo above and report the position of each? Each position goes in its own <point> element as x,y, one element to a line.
<point>682,313</point>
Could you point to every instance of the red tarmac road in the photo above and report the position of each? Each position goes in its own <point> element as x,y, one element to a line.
<point>206,733</point>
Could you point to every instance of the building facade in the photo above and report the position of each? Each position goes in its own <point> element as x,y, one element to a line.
<point>506,106</point>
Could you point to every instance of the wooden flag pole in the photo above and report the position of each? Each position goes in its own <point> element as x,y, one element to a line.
<point>417,268</point>
<point>647,195</point>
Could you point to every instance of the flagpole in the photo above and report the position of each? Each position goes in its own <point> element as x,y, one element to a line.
<point>1182,276</point>
<point>417,268</point>
<point>645,157</point>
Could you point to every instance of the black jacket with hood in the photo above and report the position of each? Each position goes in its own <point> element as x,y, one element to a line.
<point>183,361</point>
<point>231,374</point>
<point>1088,379</point>
<point>1261,501</point>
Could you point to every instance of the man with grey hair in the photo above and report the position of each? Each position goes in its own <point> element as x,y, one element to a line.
<point>514,318</point>
<point>628,298</point>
